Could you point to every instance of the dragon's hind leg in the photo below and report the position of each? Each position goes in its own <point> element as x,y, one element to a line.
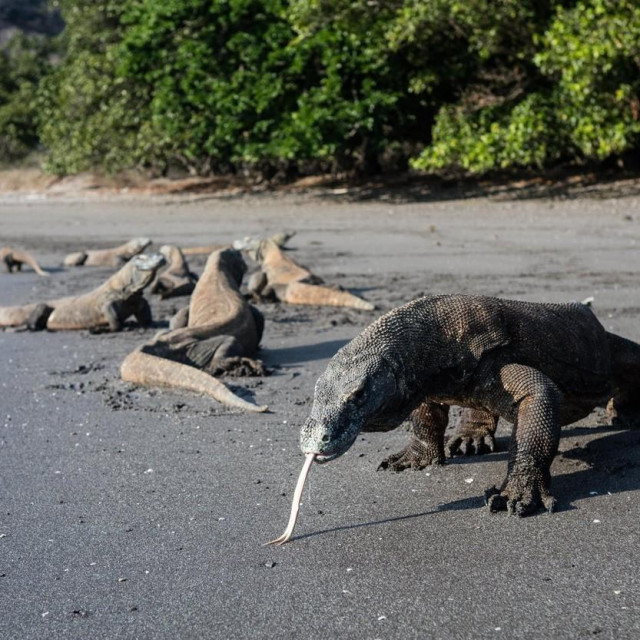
<point>624,406</point>
<point>426,443</point>
<point>223,355</point>
<point>475,434</point>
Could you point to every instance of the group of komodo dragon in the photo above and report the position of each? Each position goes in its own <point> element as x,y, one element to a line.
<point>217,333</point>
<point>536,365</point>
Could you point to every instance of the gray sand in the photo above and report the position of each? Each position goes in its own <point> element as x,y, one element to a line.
<point>133,513</point>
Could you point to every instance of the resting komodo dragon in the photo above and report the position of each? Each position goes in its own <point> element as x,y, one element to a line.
<point>281,277</point>
<point>16,258</point>
<point>218,332</point>
<point>176,279</point>
<point>115,257</point>
<point>106,307</point>
<point>281,238</point>
<point>539,366</point>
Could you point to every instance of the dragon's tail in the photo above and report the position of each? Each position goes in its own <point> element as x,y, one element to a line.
<point>152,371</point>
<point>31,261</point>
<point>303,293</point>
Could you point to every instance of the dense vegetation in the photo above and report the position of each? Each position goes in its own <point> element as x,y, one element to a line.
<point>289,86</point>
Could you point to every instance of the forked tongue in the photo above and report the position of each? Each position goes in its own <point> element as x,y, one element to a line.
<point>297,495</point>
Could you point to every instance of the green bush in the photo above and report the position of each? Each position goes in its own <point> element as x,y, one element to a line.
<point>23,62</point>
<point>285,86</point>
<point>584,104</point>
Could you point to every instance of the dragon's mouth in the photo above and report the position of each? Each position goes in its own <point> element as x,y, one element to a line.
<point>336,451</point>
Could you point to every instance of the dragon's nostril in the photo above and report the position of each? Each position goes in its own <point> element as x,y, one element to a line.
<point>326,438</point>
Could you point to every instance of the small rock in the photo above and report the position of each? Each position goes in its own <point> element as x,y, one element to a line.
<point>270,564</point>
<point>122,579</point>
<point>80,613</point>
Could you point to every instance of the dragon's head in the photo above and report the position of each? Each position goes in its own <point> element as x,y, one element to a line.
<point>137,245</point>
<point>351,392</point>
<point>142,269</point>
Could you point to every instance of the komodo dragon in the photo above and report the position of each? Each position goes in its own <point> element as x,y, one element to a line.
<point>176,279</point>
<point>106,307</point>
<point>115,257</point>
<point>16,258</point>
<point>245,243</point>
<point>281,277</point>
<point>539,366</point>
<point>218,332</point>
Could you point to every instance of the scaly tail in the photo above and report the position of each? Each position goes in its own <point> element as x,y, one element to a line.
<point>31,261</point>
<point>302,293</point>
<point>151,371</point>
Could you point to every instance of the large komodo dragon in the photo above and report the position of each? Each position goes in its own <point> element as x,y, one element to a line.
<point>218,332</point>
<point>539,366</point>
<point>16,258</point>
<point>176,279</point>
<point>115,257</point>
<point>281,277</point>
<point>104,308</point>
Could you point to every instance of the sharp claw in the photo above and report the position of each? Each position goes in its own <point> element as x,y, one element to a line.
<point>489,493</point>
<point>549,503</point>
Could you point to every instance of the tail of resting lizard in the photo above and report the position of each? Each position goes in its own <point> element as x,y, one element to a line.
<point>16,258</point>
<point>218,332</point>
<point>282,277</point>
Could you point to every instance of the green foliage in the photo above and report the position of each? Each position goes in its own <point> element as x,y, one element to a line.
<point>23,62</point>
<point>584,104</point>
<point>279,86</point>
<point>91,117</point>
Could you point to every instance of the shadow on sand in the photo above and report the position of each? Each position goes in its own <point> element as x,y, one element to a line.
<point>614,468</point>
<point>305,353</point>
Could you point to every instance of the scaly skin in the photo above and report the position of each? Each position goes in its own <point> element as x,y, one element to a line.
<point>115,257</point>
<point>15,258</point>
<point>104,308</point>
<point>538,366</point>
<point>218,333</point>
<point>176,279</point>
<point>281,277</point>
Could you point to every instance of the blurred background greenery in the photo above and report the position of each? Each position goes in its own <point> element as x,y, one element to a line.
<point>282,88</point>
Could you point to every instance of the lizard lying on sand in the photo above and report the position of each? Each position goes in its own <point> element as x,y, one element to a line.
<point>245,243</point>
<point>281,277</point>
<point>176,279</point>
<point>539,366</point>
<point>16,258</point>
<point>218,332</point>
<point>115,257</point>
<point>106,307</point>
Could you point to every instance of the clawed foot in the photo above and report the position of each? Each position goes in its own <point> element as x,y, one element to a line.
<point>414,456</point>
<point>521,498</point>
<point>238,367</point>
<point>469,445</point>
